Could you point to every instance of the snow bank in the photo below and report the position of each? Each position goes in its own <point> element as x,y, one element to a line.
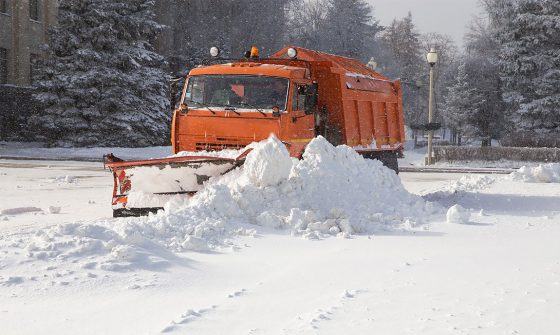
<point>471,183</point>
<point>544,173</point>
<point>331,191</point>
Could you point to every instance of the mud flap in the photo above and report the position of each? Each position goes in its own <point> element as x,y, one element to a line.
<point>388,158</point>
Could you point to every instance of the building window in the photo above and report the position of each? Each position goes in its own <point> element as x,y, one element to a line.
<point>4,6</point>
<point>3,66</point>
<point>34,10</point>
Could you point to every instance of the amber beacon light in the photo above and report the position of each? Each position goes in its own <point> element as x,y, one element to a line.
<point>254,52</point>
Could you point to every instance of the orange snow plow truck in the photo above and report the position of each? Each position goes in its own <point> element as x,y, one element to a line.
<point>296,94</point>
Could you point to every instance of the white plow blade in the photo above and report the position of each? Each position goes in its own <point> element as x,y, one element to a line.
<point>153,186</point>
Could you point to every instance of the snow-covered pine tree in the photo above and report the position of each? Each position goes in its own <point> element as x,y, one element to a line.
<point>481,55</point>
<point>102,84</point>
<point>462,105</point>
<point>349,26</point>
<point>306,20</point>
<point>342,27</point>
<point>529,33</point>
<point>233,26</point>
<point>402,40</point>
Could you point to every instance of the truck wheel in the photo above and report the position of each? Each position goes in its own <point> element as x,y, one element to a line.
<point>390,160</point>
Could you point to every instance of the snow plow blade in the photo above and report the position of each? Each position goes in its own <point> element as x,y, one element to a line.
<point>143,186</point>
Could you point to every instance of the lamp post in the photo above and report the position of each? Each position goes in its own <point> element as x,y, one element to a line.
<point>432,58</point>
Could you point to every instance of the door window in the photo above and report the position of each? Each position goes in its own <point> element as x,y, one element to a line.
<point>298,99</point>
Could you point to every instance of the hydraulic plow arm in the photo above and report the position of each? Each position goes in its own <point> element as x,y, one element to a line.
<point>144,186</point>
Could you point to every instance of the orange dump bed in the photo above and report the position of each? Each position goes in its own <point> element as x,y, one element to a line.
<point>363,109</point>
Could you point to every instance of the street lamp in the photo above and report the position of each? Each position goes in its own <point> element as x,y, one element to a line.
<point>432,58</point>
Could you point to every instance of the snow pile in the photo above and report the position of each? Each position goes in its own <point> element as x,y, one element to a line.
<point>471,183</point>
<point>544,173</point>
<point>54,209</point>
<point>332,191</point>
<point>451,193</point>
<point>458,214</point>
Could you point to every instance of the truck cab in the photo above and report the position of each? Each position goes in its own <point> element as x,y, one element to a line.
<point>228,106</point>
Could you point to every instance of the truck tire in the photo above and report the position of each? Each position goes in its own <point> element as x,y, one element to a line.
<point>388,158</point>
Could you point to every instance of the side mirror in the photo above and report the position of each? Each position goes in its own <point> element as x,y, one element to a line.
<point>311,98</point>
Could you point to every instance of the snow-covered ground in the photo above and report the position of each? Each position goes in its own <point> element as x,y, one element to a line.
<point>490,265</point>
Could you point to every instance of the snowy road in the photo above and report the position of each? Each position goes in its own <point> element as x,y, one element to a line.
<point>497,274</point>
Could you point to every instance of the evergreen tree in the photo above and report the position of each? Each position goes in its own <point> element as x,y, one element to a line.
<point>404,53</point>
<point>529,35</point>
<point>462,105</point>
<point>101,83</point>
<point>306,22</point>
<point>342,27</point>
<point>233,26</point>
<point>349,27</point>
<point>481,57</point>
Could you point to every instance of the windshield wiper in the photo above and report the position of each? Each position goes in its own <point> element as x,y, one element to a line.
<point>252,106</point>
<point>231,108</point>
<point>203,105</point>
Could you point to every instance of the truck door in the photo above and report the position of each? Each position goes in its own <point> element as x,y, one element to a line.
<point>302,126</point>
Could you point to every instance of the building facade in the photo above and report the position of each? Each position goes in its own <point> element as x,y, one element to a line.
<point>24,28</point>
<point>23,31</point>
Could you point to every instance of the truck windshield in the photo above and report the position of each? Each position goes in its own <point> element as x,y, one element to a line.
<point>239,91</point>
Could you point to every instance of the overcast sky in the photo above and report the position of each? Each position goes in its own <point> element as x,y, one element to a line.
<point>443,16</point>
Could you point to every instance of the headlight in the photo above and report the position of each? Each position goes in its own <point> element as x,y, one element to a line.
<point>292,53</point>
<point>214,51</point>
